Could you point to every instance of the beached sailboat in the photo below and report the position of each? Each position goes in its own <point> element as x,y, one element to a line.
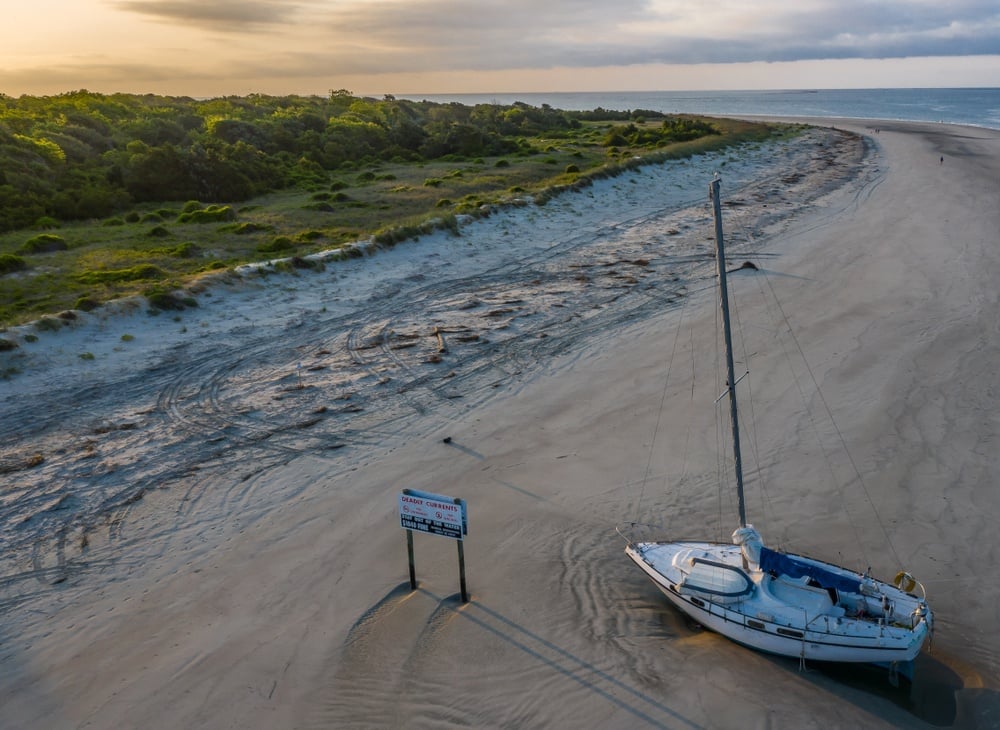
<point>775,601</point>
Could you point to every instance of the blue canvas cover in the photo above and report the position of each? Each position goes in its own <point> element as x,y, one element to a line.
<point>772,561</point>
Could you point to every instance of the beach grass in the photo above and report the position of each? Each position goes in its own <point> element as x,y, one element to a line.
<point>154,249</point>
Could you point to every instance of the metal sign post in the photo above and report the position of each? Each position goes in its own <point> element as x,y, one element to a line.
<point>434,514</point>
<point>461,571</point>
<point>409,553</point>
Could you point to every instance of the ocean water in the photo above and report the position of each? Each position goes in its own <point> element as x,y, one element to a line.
<point>977,107</point>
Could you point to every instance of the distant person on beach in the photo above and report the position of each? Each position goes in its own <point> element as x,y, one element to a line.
<point>942,160</point>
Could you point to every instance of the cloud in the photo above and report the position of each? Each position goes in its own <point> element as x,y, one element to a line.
<point>96,75</point>
<point>423,36</point>
<point>249,44</point>
<point>385,37</point>
<point>436,35</point>
<point>215,15</point>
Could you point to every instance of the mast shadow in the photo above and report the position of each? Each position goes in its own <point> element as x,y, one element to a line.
<point>521,490</point>
<point>640,705</point>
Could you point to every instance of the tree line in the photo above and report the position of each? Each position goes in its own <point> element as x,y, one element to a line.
<point>84,155</point>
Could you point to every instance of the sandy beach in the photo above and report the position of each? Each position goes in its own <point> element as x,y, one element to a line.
<point>211,537</point>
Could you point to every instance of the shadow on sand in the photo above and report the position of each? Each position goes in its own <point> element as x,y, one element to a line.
<point>644,708</point>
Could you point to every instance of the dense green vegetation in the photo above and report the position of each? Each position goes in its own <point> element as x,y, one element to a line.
<point>106,195</point>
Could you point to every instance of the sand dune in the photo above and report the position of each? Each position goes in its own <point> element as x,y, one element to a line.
<point>212,539</point>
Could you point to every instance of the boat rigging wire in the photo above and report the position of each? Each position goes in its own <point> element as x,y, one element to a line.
<point>783,317</point>
<point>659,412</point>
<point>751,428</point>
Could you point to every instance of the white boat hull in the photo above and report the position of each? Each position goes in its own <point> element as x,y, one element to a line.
<point>762,620</point>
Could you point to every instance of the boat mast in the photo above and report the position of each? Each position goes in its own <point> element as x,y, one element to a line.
<point>720,257</point>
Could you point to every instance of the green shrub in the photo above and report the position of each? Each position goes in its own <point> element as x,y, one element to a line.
<point>43,243</point>
<point>501,163</point>
<point>340,197</point>
<point>49,324</point>
<point>132,217</point>
<point>320,196</point>
<point>243,229</point>
<point>86,304</point>
<point>211,214</point>
<point>433,182</point>
<point>86,356</point>
<point>392,236</point>
<point>443,203</point>
<point>297,262</point>
<point>614,138</point>
<point>169,301</point>
<point>191,206</point>
<point>158,232</point>
<point>308,235</point>
<point>186,250</point>
<point>127,337</point>
<point>134,273</point>
<point>151,218</point>
<point>277,245</point>
<point>474,205</point>
<point>571,169</point>
<point>10,263</point>
<point>46,221</point>
<point>113,222</point>
<point>7,345</point>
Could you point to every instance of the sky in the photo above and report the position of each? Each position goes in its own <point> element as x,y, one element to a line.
<point>206,48</point>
